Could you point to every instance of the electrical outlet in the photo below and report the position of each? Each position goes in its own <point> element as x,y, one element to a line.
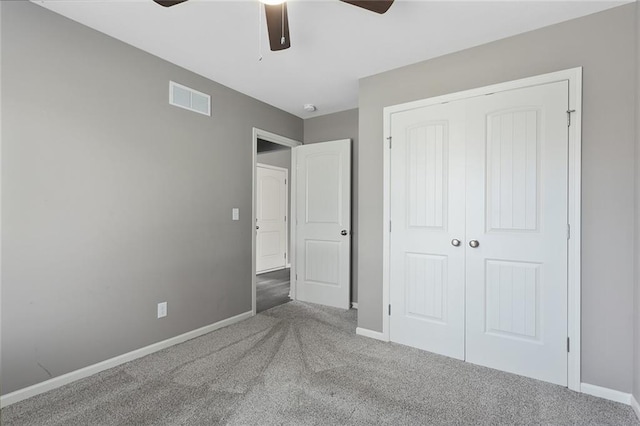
<point>162,309</point>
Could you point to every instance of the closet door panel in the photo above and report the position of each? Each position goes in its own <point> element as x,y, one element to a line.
<point>516,211</point>
<point>427,213</point>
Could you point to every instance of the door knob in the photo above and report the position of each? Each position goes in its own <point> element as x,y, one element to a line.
<point>344,232</point>
<point>474,243</point>
<point>455,242</point>
<point>257,227</point>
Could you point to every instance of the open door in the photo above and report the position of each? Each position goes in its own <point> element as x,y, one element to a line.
<point>323,223</point>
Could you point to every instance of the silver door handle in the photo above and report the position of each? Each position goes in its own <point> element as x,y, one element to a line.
<point>257,227</point>
<point>474,243</point>
<point>344,232</point>
<point>455,242</point>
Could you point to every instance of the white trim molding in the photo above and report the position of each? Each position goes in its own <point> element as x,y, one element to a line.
<point>269,166</point>
<point>606,393</point>
<point>266,271</point>
<point>636,406</point>
<point>574,78</point>
<point>365,332</point>
<point>56,382</point>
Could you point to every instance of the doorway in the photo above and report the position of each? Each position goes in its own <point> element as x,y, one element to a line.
<point>272,213</point>
<point>273,218</point>
<point>319,229</point>
<point>272,209</point>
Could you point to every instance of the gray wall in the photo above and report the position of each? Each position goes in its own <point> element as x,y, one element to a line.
<point>604,45</point>
<point>112,200</point>
<point>330,127</point>
<point>636,388</point>
<point>281,158</point>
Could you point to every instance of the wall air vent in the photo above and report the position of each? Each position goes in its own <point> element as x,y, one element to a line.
<point>187,98</point>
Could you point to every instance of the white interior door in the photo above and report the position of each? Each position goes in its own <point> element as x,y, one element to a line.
<point>517,150</point>
<point>491,172</point>
<point>271,218</point>
<point>323,223</point>
<point>427,221</point>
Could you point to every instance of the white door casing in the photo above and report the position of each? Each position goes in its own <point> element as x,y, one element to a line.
<point>427,211</point>
<point>517,211</point>
<point>517,208</point>
<point>323,215</point>
<point>271,218</point>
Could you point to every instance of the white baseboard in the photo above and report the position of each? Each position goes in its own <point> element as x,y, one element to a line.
<point>354,305</point>
<point>606,393</point>
<point>266,271</point>
<point>636,406</point>
<point>370,333</point>
<point>56,382</point>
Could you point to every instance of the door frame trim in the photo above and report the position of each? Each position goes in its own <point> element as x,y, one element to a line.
<point>286,209</point>
<point>291,143</point>
<point>574,283</point>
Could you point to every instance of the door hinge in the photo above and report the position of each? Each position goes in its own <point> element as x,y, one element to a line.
<point>285,181</point>
<point>389,226</point>
<point>569,111</point>
<point>285,255</point>
<point>568,231</point>
<point>568,344</point>
<point>389,139</point>
<point>389,309</point>
<point>285,218</point>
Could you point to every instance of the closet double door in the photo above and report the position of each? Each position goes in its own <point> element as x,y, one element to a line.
<point>478,245</point>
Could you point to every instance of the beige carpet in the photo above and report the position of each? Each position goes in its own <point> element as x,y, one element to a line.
<point>300,364</point>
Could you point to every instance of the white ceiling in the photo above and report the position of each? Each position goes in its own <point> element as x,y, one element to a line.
<point>333,44</point>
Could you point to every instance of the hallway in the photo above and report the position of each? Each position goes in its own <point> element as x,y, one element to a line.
<point>272,289</point>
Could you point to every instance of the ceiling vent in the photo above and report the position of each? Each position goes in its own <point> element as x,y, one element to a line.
<point>187,98</point>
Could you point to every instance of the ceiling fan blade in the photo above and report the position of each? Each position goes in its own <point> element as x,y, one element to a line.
<point>278,26</point>
<point>169,3</point>
<point>378,6</point>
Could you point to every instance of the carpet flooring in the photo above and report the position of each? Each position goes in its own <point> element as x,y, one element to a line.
<point>302,364</point>
<point>272,289</point>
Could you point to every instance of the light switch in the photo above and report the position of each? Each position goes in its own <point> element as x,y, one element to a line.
<point>235,213</point>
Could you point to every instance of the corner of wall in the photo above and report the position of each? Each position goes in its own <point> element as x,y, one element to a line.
<point>636,382</point>
<point>1,6</point>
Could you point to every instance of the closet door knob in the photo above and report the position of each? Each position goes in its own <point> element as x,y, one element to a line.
<point>474,243</point>
<point>455,242</point>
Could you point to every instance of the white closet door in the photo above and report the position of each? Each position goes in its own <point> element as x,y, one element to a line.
<point>516,296</point>
<point>427,216</point>
<point>271,218</point>
<point>323,223</point>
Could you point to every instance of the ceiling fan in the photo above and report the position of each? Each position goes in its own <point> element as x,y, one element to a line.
<point>278,19</point>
